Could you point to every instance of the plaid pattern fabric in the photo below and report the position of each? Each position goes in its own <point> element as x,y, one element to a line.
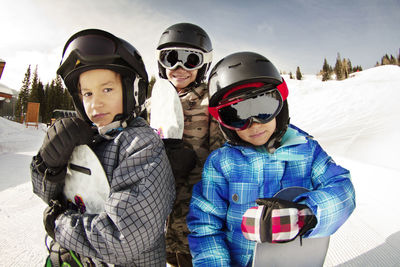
<point>131,230</point>
<point>252,223</point>
<point>234,177</point>
<point>284,224</point>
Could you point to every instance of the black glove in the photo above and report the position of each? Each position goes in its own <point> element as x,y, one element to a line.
<point>182,159</point>
<point>278,220</point>
<point>50,215</point>
<point>58,144</point>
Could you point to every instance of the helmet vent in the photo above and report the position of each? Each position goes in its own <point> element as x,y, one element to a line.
<point>262,60</point>
<point>234,66</point>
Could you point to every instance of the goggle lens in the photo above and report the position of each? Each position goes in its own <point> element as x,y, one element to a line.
<point>262,108</point>
<point>90,45</point>
<point>186,58</point>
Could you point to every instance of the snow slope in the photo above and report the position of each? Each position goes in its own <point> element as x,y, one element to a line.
<point>355,120</point>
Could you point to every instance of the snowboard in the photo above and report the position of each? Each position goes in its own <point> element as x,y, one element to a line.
<point>166,115</point>
<point>308,252</point>
<point>86,183</point>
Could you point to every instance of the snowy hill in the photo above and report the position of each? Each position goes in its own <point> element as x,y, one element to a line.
<point>355,120</point>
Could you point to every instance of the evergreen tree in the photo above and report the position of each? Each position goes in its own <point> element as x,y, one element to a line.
<point>37,93</point>
<point>348,68</point>
<point>345,69</point>
<point>392,60</point>
<point>339,68</point>
<point>398,58</point>
<point>290,75</point>
<point>34,94</point>
<point>54,95</point>
<point>42,110</point>
<point>299,76</point>
<point>23,96</point>
<point>326,71</point>
<point>385,60</point>
<point>357,68</point>
<point>47,115</point>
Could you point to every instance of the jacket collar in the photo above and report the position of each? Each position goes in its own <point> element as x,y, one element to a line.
<point>286,152</point>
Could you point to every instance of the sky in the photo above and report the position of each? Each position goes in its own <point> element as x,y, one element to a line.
<point>349,127</point>
<point>290,33</point>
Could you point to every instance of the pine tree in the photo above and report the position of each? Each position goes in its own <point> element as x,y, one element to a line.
<point>290,75</point>
<point>385,60</point>
<point>392,60</point>
<point>345,69</point>
<point>47,113</point>
<point>299,76</point>
<point>37,93</point>
<point>339,68</point>
<point>357,68</point>
<point>34,94</point>
<point>398,58</point>
<point>23,96</point>
<point>326,71</point>
<point>349,68</point>
<point>53,98</point>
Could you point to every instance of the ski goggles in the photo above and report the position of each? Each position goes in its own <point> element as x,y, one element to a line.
<point>87,49</point>
<point>187,58</point>
<point>260,103</point>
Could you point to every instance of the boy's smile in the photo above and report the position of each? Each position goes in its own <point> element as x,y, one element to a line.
<point>180,77</point>
<point>101,91</point>
<point>258,133</point>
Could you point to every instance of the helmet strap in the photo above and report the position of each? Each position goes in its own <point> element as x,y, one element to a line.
<point>108,131</point>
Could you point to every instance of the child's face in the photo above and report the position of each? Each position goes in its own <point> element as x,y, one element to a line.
<point>259,133</point>
<point>180,77</point>
<point>101,91</point>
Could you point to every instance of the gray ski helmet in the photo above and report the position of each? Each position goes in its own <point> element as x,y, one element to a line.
<point>242,68</point>
<point>97,49</point>
<point>185,35</point>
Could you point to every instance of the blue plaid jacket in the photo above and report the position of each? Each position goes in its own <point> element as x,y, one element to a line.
<point>234,177</point>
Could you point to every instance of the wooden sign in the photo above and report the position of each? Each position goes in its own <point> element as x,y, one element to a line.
<point>32,115</point>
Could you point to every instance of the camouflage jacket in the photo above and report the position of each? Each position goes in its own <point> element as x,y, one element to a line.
<point>201,133</point>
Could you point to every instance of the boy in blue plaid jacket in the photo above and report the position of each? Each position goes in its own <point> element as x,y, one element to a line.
<point>263,155</point>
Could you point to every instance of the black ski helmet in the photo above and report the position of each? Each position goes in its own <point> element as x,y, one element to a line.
<point>243,68</point>
<point>185,35</point>
<point>97,49</point>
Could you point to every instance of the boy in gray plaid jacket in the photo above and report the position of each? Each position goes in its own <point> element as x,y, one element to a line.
<point>107,80</point>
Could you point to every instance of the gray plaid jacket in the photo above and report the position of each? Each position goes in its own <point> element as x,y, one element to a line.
<point>131,230</point>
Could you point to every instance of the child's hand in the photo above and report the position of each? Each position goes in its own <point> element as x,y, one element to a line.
<point>50,215</point>
<point>182,159</point>
<point>276,220</point>
<point>60,141</point>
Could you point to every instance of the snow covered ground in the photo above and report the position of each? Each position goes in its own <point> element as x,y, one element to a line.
<point>355,120</point>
